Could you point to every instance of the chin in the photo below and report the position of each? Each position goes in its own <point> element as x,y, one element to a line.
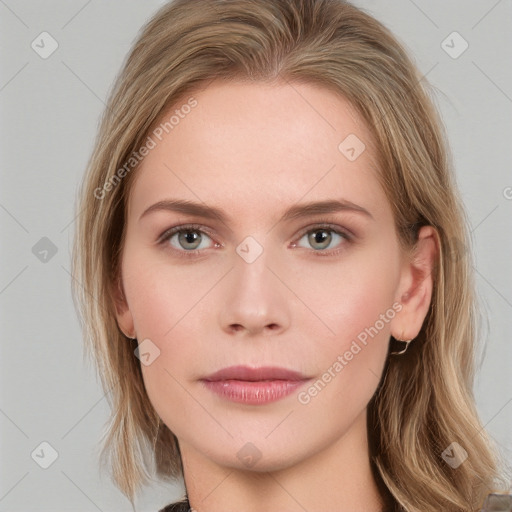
<point>261,455</point>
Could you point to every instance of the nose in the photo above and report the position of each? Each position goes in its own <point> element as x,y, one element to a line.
<point>254,300</point>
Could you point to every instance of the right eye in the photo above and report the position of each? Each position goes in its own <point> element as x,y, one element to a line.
<point>186,239</point>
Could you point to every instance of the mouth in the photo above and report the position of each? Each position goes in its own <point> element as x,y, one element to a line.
<point>254,386</point>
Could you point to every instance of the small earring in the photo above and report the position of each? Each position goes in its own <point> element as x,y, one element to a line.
<point>404,349</point>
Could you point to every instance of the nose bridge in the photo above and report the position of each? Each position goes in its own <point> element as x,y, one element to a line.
<point>255,298</point>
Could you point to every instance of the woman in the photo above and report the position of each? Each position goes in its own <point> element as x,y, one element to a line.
<point>272,283</point>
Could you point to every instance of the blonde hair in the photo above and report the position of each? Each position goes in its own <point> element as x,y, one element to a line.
<point>425,400</point>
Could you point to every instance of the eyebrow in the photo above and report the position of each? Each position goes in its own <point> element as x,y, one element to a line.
<point>298,211</point>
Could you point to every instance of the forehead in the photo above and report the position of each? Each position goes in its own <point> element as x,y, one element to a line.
<point>258,144</point>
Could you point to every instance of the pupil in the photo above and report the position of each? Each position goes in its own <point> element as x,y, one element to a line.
<point>189,237</point>
<point>322,237</point>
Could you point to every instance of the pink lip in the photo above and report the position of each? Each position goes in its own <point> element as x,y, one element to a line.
<point>254,386</point>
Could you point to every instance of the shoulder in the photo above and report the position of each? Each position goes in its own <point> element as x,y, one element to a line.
<point>179,506</point>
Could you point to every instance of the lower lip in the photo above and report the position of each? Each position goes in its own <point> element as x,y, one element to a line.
<point>253,393</point>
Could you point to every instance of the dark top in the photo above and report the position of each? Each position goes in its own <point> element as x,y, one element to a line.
<point>179,506</point>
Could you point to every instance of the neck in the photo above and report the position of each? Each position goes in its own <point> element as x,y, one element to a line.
<point>337,477</point>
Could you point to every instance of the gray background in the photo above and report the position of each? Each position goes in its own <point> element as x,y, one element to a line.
<point>49,114</point>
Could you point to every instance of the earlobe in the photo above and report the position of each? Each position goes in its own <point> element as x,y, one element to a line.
<point>417,285</point>
<point>123,314</point>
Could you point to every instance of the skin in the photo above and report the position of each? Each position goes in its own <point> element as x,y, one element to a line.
<point>253,150</point>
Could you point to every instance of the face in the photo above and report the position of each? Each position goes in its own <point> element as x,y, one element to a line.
<point>292,303</point>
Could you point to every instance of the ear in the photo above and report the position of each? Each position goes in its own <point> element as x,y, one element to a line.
<point>123,313</point>
<point>416,285</point>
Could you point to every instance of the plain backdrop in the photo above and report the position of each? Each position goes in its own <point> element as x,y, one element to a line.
<point>49,112</point>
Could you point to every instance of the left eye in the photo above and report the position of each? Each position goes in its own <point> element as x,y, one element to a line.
<point>188,239</point>
<point>321,238</point>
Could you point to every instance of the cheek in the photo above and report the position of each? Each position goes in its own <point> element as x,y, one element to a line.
<point>349,363</point>
<point>161,293</point>
<point>167,307</point>
<point>355,299</point>
<point>162,313</point>
<point>349,296</point>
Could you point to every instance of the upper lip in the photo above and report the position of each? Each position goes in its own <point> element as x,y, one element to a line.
<point>247,373</point>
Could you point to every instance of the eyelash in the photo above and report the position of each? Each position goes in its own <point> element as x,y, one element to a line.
<point>183,228</point>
